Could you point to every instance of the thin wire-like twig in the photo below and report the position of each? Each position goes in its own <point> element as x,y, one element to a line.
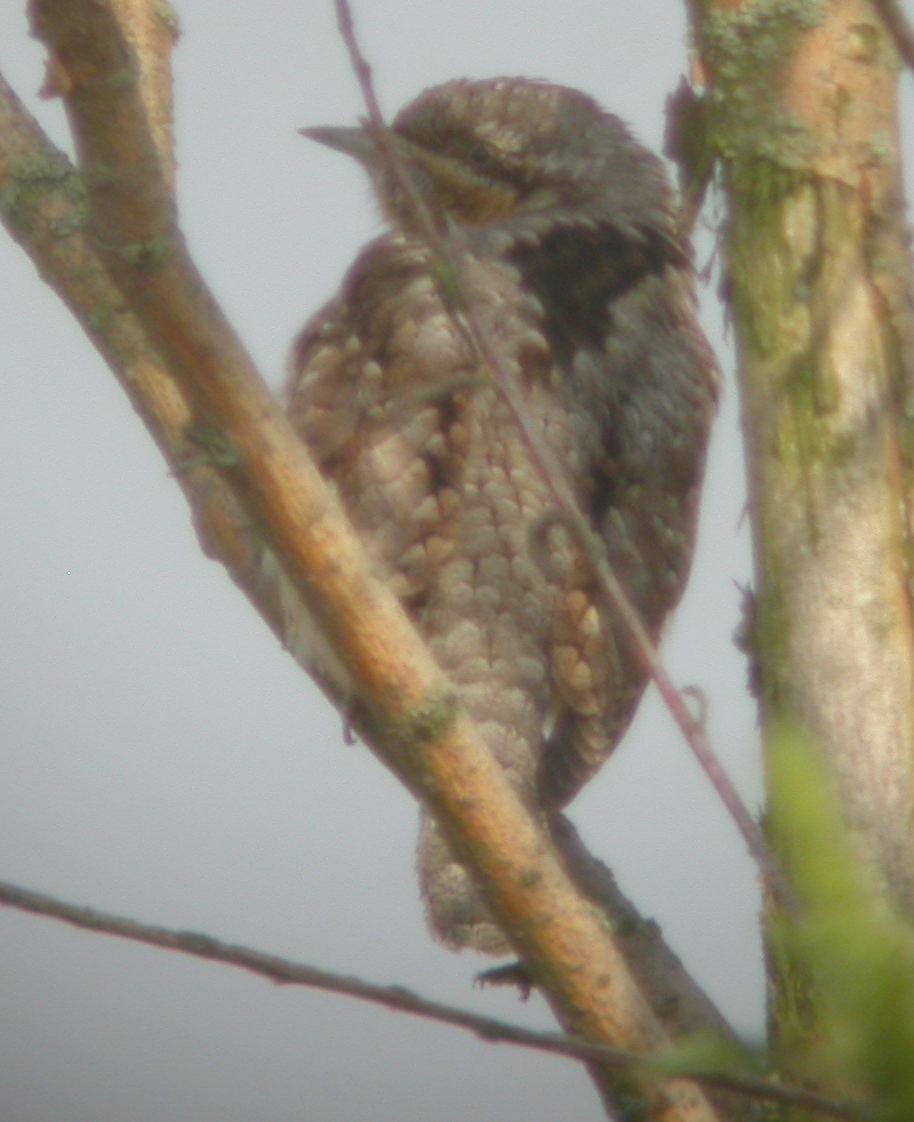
<point>285,971</point>
<point>694,731</point>
<point>899,27</point>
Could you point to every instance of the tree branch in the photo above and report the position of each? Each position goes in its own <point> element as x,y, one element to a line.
<point>402,703</point>
<point>803,117</point>
<point>412,716</point>
<point>899,27</point>
<point>286,972</point>
<point>820,273</point>
<point>42,193</point>
<point>42,205</point>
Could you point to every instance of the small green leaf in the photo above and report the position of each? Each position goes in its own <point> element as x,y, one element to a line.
<point>856,952</point>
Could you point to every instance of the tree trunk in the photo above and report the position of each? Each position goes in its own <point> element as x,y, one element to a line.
<point>802,114</point>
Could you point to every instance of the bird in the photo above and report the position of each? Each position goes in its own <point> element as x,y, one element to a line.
<point>564,228</point>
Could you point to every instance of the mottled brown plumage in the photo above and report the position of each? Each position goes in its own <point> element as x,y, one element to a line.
<point>573,265</point>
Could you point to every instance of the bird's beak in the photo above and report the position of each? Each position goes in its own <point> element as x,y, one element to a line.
<point>352,141</point>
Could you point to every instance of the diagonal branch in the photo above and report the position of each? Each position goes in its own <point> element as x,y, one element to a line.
<point>899,27</point>
<point>402,703</point>
<point>287,972</point>
<point>42,205</point>
<point>41,196</point>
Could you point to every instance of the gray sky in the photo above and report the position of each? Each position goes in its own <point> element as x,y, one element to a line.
<point>162,757</point>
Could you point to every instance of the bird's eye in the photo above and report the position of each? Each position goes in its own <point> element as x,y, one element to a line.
<point>495,164</point>
<point>481,156</point>
<point>476,154</point>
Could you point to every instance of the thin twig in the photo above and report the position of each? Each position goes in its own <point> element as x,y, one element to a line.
<point>468,322</point>
<point>287,972</point>
<point>899,27</point>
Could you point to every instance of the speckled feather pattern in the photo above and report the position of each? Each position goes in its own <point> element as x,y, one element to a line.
<point>435,474</point>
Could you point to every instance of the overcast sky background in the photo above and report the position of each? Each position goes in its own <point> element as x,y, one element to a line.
<point>161,757</point>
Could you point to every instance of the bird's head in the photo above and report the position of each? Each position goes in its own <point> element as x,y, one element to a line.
<point>481,152</point>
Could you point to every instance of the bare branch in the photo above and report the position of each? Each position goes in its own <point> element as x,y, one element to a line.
<point>398,998</point>
<point>42,205</point>
<point>403,704</point>
<point>899,27</point>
